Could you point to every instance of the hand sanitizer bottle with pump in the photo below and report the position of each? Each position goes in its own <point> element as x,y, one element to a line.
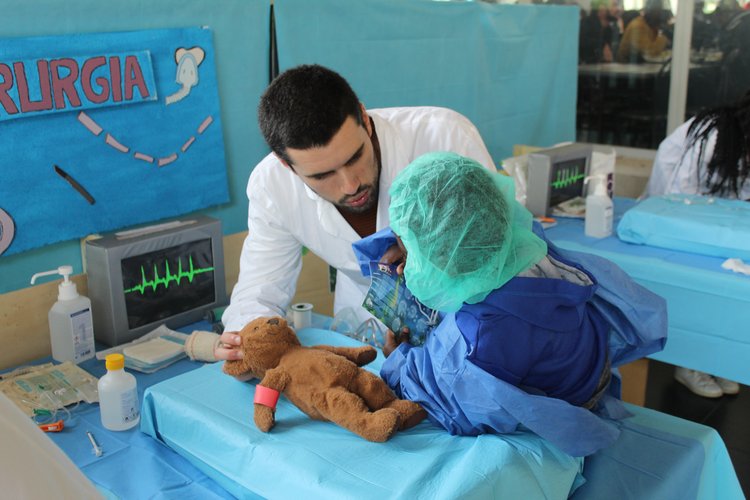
<point>599,209</point>
<point>71,326</point>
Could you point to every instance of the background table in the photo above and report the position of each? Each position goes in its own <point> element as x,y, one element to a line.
<point>708,307</point>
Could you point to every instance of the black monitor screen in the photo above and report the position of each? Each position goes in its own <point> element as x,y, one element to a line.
<point>160,284</point>
<point>566,180</point>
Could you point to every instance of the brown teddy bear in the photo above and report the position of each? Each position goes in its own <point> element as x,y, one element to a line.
<point>325,382</point>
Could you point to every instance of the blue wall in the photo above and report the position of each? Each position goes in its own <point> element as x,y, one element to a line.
<point>510,68</point>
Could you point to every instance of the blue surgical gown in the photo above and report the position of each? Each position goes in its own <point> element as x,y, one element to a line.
<point>531,353</point>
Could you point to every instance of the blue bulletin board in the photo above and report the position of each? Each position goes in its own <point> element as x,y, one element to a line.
<point>106,130</point>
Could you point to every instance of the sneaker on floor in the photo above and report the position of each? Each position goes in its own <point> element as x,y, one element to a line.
<point>727,386</point>
<point>700,383</point>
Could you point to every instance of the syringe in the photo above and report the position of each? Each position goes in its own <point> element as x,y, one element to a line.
<point>97,450</point>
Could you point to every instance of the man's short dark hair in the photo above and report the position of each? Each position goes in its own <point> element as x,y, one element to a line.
<point>304,107</point>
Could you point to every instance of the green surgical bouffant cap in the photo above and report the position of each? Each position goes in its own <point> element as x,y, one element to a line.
<point>464,232</point>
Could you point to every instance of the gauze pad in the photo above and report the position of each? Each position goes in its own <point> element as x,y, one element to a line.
<point>153,351</point>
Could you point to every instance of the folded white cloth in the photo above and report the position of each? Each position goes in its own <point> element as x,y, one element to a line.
<point>736,265</point>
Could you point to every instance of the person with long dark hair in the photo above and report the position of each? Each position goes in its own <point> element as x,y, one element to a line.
<point>708,155</point>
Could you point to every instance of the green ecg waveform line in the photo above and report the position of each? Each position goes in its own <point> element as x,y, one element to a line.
<point>566,177</point>
<point>158,280</point>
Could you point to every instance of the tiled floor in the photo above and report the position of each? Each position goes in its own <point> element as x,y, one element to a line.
<point>730,415</point>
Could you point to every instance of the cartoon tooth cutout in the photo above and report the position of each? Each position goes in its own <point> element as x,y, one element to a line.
<point>187,61</point>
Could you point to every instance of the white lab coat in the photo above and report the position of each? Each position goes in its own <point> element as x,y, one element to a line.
<point>284,214</point>
<point>674,172</point>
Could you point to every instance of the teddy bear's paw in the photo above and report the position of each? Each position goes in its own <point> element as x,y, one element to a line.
<point>240,369</point>
<point>380,425</point>
<point>264,417</point>
<point>411,413</point>
<point>365,355</point>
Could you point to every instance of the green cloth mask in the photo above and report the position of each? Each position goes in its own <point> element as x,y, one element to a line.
<point>464,232</point>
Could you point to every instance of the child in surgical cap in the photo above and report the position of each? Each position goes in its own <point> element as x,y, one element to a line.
<point>522,343</point>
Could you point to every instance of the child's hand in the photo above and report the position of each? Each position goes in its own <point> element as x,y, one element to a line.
<point>396,254</point>
<point>393,255</point>
<point>392,343</point>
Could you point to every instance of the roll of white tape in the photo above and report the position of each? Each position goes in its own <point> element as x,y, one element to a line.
<point>302,315</point>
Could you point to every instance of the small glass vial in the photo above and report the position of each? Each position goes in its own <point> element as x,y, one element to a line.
<point>118,396</point>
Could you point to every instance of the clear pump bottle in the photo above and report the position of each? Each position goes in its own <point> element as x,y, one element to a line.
<point>599,209</point>
<point>71,326</point>
<point>118,396</point>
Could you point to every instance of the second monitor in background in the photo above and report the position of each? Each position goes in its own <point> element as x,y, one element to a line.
<point>556,175</point>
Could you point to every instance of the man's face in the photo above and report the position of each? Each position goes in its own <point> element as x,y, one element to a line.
<point>345,171</point>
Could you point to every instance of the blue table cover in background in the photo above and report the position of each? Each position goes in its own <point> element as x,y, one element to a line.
<point>708,306</point>
<point>511,69</point>
<point>206,416</point>
<point>691,223</point>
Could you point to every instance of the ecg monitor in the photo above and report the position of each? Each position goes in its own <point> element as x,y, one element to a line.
<point>556,175</point>
<point>170,273</point>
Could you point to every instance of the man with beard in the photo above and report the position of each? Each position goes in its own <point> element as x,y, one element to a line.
<point>325,186</point>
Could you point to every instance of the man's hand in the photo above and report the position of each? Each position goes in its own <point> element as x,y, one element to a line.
<point>228,347</point>
<point>392,343</point>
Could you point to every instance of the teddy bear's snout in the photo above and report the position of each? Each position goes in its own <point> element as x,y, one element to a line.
<point>273,321</point>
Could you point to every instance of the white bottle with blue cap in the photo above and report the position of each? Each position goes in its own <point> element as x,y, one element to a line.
<point>71,326</point>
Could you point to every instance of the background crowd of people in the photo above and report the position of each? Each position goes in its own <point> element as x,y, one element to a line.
<point>610,34</point>
<point>625,62</point>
